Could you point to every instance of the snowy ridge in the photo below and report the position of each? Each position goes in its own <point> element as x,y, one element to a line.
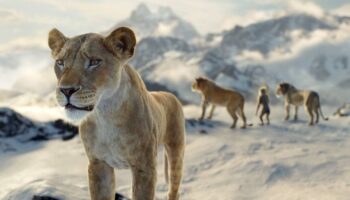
<point>151,49</point>
<point>268,35</point>
<point>164,22</point>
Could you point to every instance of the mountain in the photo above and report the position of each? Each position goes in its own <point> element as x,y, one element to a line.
<point>269,35</point>
<point>309,52</point>
<point>163,22</point>
<point>151,49</point>
<point>274,50</point>
<point>157,57</point>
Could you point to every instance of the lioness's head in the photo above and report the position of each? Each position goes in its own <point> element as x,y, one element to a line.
<point>199,84</point>
<point>88,67</point>
<point>282,89</point>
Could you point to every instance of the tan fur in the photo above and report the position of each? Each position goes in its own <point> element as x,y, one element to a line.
<point>295,97</point>
<point>218,96</point>
<point>127,123</point>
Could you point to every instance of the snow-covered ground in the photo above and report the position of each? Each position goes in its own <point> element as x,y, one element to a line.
<point>286,160</point>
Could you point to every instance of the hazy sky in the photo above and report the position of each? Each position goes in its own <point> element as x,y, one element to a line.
<point>26,22</point>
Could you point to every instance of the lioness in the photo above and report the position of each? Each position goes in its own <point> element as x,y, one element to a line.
<point>216,95</point>
<point>295,97</point>
<point>121,123</point>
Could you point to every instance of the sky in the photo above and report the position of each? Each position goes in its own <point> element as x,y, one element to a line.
<point>27,22</point>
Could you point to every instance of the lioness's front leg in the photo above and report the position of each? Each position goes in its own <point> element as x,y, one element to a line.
<point>287,108</point>
<point>101,180</point>
<point>144,182</point>
<point>211,111</point>
<point>204,107</point>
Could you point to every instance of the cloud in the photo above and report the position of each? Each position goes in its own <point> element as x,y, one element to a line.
<point>343,10</point>
<point>246,19</point>
<point>25,42</point>
<point>303,6</point>
<point>92,10</point>
<point>277,8</point>
<point>299,43</point>
<point>9,16</point>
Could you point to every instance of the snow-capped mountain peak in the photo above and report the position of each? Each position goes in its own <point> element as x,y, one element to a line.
<point>141,11</point>
<point>163,22</point>
<point>271,34</point>
<point>166,13</point>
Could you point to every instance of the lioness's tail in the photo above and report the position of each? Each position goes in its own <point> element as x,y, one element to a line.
<point>323,117</point>
<point>166,174</point>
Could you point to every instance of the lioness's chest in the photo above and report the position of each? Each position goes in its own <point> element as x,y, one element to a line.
<point>108,146</point>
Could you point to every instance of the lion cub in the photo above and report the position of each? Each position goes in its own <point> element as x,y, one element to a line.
<point>216,95</point>
<point>121,123</point>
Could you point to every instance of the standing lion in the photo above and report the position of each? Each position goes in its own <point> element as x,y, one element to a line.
<point>121,123</point>
<point>218,96</point>
<point>295,97</point>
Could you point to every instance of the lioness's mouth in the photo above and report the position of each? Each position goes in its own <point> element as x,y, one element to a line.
<point>73,107</point>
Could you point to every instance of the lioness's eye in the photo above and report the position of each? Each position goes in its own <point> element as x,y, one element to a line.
<point>60,63</point>
<point>94,62</point>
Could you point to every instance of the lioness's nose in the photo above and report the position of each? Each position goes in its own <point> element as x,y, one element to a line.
<point>69,91</point>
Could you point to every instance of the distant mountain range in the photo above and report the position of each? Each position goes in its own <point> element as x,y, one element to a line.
<point>271,34</point>
<point>171,53</point>
<point>214,55</point>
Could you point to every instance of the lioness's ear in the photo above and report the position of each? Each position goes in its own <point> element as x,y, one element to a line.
<point>121,42</point>
<point>200,78</point>
<point>56,41</point>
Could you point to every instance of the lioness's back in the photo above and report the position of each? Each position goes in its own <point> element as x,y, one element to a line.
<point>168,101</point>
<point>222,95</point>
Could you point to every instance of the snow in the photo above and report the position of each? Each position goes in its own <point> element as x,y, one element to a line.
<point>286,160</point>
<point>162,22</point>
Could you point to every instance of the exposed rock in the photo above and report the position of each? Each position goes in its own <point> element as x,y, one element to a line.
<point>120,197</point>
<point>13,124</point>
<point>37,197</point>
